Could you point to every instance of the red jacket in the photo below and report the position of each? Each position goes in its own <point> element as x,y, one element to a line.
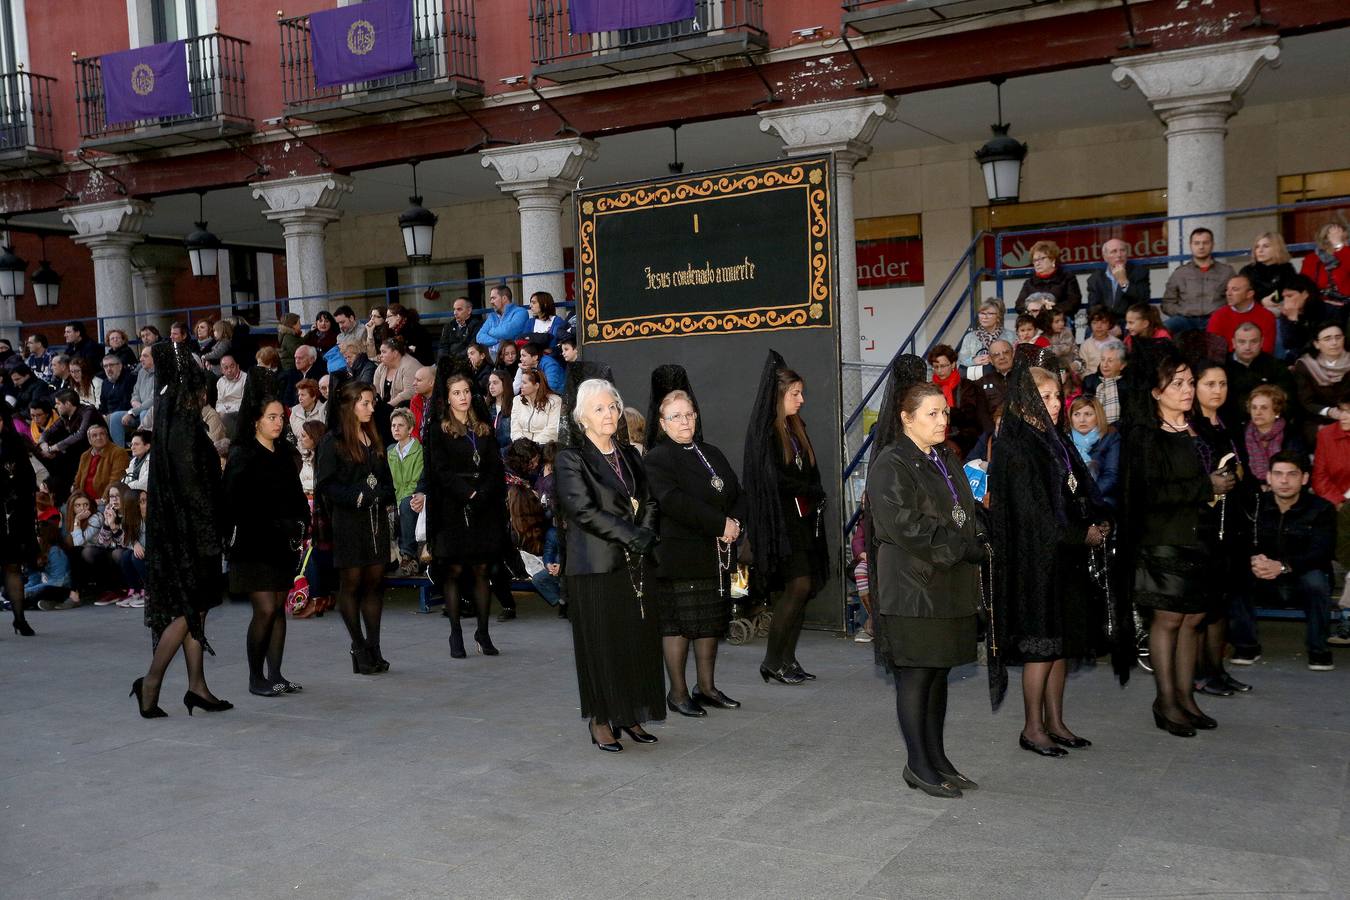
<point>1331,464</point>
<point>1225,320</point>
<point>1339,276</point>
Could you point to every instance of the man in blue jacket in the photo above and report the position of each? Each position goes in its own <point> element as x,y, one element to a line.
<point>506,322</point>
<point>534,356</point>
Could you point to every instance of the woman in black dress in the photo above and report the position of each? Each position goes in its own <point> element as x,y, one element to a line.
<point>701,508</point>
<point>786,505</point>
<point>1167,487</point>
<point>925,571</point>
<point>266,514</point>
<point>18,514</point>
<point>611,520</point>
<point>1045,514</point>
<point>465,485</point>
<point>183,532</point>
<point>352,477</point>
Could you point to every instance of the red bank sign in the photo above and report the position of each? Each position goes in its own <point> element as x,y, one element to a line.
<point>890,262</point>
<point>1083,245</point>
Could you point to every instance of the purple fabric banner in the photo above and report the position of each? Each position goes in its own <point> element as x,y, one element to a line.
<point>145,83</point>
<point>612,15</point>
<point>361,43</point>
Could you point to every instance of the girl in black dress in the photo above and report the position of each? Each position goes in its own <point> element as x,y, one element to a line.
<point>465,485</point>
<point>611,518</point>
<point>18,514</point>
<point>264,537</point>
<point>786,507</point>
<point>182,531</point>
<point>1167,488</point>
<point>352,477</point>
<point>701,508</point>
<point>1045,514</point>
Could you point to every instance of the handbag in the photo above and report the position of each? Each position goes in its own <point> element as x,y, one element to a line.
<point>297,598</point>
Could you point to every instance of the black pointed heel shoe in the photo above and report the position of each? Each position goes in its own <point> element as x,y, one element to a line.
<point>484,644</point>
<point>457,645</point>
<point>1233,684</point>
<point>1073,743</point>
<point>716,699</point>
<point>612,747</point>
<point>797,668</point>
<point>1051,751</point>
<point>942,789</point>
<point>377,659</point>
<point>362,662</point>
<point>191,701</point>
<point>686,708</point>
<point>1177,729</point>
<point>1201,721</point>
<point>23,629</point>
<point>642,737</point>
<point>782,676</point>
<point>153,712</point>
<point>956,779</point>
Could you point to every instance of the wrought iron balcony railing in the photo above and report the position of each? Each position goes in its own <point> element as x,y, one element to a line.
<point>445,48</point>
<point>216,64</point>
<point>26,118</point>
<point>719,28</point>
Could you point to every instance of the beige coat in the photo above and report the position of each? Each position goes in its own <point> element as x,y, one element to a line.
<point>401,389</point>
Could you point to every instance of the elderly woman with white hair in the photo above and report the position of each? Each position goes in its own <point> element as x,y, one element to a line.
<point>611,516</point>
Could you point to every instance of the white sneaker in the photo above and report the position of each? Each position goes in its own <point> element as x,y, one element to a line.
<point>137,602</point>
<point>862,637</point>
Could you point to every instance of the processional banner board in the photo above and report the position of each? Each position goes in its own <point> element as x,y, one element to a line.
<point>739,250</point>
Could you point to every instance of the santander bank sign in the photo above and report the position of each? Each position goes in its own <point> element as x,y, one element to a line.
<point>1080,245</point>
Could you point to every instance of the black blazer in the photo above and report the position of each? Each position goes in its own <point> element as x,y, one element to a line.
<point>597,509</point>
<point>925,564</point>
<point>693,515</point>
<point>263,531</point>
<point>1102,290</point>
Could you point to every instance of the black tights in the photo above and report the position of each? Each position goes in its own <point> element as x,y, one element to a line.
<point>175,636</point>
<point>1043,701</point>
<point>1213,641</point>
<point>14,589</point>
<point>482,598</point>
<point>360,601</point>
<point>676,650</point>
<point>921,707</point>
<point>789,612</point>
<point>1172,649</point>
<point>266,637</point>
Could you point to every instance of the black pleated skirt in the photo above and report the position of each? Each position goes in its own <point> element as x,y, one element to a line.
<point>692,609</point>
<point>620,674</point>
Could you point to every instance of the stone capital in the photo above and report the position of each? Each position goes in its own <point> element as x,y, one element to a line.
<point>313,197</point>
<point>1213,76</point>
<point>548,169</point>
<point>114,224</point>
<point>843,127</point>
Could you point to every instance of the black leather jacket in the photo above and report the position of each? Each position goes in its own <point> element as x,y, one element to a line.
<point>598,510</point>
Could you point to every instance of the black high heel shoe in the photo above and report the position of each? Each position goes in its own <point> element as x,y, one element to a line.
<point>716,699</point>
<point>484,644</point>
<point>642,737</point>
<point>1073,743</point>
<point>943,789</point>
<point>782,676</point>
<point>1201,721</point>
<point>457,645</point>
<point>1050,751</point>
<point>377,658</point>
<point>797,667</point>
<point>612,747</point>
<point>688,708</point>
<point>153,712</point>
<point>1178,729</point>
<point>191,700</point>
<point>23,629</point>
<point>362,664</point>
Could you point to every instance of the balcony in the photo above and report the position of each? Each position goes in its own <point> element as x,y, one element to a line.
<point>445,48</point>
<point>868,16</point>
<point>215,80</point>
<point>26,120</point>
<point>720,28</point>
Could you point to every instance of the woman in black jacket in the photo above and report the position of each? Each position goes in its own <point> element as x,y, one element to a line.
<point>18,513</point>
<point>701,509</point>
<point>465,484</point>
<point>925,579</point>
<point>264,538</point>
<point>352,477</point>
<point>786,504</point>
<point>611,519</point>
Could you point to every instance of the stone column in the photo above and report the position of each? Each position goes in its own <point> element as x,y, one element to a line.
<point>304,206</point>
<point>845,128</point>
<point>110,230</point>
<point>155,268</point>
<point>539,176</point>
<point>1195,91</point>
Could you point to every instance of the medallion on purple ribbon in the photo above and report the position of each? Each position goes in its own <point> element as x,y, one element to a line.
<point>363,42</point>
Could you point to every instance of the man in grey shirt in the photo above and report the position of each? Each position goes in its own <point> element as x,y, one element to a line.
<point>1196,288</point>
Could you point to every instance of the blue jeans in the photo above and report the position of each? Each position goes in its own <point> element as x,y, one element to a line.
<point>1310,591</point>
<point>1177,324</point>
<point>548,586</point>
<point>407,528</point>
<point>116,430</point>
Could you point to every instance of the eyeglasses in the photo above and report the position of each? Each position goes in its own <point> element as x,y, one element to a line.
<point>682,417</point>
<point>1036,259</point>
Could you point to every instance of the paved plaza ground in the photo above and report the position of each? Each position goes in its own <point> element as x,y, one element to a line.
<point>475,778</point>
